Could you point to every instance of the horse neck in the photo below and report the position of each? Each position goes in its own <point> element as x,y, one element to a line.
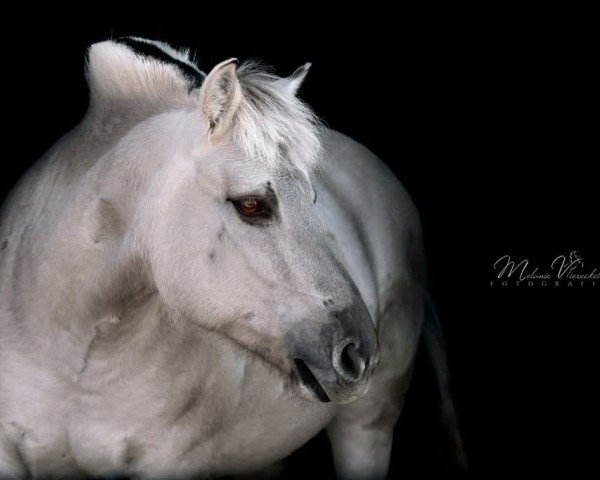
<point>71,265</point>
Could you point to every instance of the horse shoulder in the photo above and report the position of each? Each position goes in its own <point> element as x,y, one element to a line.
<point>365,193</point>
<point>361,189</point>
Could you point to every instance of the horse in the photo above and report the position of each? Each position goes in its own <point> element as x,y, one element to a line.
<point>200,277</point>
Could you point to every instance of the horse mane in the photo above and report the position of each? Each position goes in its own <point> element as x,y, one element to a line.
<point>270,123</point>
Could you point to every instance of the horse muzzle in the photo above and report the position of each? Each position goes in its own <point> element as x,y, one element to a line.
<point>335,357</point>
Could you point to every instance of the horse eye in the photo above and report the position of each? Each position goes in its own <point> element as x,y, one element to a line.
<point>249,206</point>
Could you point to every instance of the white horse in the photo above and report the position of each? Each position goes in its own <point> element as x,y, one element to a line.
<point>194,279</point>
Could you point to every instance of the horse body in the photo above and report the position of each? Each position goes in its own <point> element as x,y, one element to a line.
<point>102,370</point>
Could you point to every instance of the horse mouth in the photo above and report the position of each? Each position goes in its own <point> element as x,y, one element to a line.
<point>309,379</point>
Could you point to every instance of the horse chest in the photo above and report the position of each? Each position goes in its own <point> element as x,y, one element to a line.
<point>191,416</point>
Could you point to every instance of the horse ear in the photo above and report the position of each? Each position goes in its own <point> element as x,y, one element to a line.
<point>220,96</point>
<point>293,82</point>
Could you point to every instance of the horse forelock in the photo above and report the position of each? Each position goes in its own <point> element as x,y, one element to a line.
<point>271,123</point>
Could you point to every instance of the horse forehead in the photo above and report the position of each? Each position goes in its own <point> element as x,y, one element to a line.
<point>246,172</point>
<point>294,181</point>
<point>176,134</point>
<point>284,181</point>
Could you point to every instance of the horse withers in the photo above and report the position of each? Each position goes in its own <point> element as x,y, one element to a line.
<point>199,278</point>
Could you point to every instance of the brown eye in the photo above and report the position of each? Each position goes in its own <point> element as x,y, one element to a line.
<point>256,210</point>
<point>249,206</point>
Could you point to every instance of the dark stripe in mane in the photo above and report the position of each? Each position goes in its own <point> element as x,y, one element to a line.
<point>194,76</point>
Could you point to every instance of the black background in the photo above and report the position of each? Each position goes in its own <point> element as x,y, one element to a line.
<point>490,120</point>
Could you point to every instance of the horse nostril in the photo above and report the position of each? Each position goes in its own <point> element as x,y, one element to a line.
<point>348,363</point>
